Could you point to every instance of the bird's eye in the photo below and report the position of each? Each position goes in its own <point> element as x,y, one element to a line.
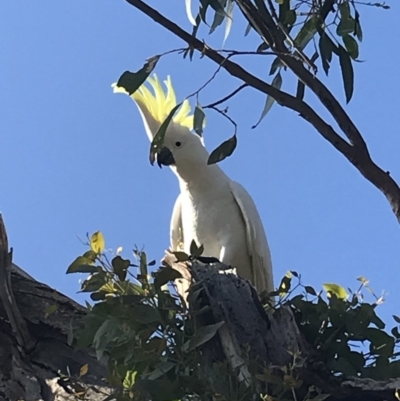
<point>178,144</point>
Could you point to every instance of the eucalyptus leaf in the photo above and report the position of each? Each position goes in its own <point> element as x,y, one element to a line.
<point>223,151</point>
<point>277,63</point>
<point>248,29</point>
<point>276,83</point>
<point>351,46</point>
<point>203,335</point>
<point>198,120</point>
<point>165,275</point>
<point>325,50</point>
<point>347,73</point>
<point>158,140</point>
<point>306,33</point>
<point>131,81</point>
<point>82,265</point>
<point>358,30</point>
<point>346,26</point>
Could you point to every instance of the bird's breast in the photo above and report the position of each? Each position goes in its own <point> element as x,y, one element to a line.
<point>207,219</point>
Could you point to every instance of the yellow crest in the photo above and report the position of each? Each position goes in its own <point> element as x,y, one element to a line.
<point>159,103</point>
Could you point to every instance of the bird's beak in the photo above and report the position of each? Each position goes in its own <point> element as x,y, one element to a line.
<point>164,157</point>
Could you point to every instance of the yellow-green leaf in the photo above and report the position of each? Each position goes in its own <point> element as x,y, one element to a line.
<point>335,289</point>
<point>97,242</point>
<point>84,369</point>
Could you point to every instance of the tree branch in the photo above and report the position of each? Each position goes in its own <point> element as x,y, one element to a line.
<point>356,152</point>
<point>7,298</point>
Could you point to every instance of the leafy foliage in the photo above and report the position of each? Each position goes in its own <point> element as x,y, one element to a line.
<point>154,346</point>
<point>345,331</point>
<point>333,27</point>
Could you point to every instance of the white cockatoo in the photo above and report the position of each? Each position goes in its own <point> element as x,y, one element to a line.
<point>211,209</point>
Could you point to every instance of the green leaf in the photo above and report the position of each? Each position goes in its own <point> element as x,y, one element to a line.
<point>144,314</point>
<point>277,63</point>
<point>381,342</point>
<point>310,290</point>
<point>103,335</point>
<point>325,50</point>
<point>262,47</point>
<point>161,369</point>
<point>396,318</point>
<point>300,90</point>
<point>131,81</point>
<point>97,242</point>
<point>346,26</point>
<point>181,256</point>
<point>82,265</point>
<point>198,120</point>
<point>248,29</point>
<point>203,335</point>
<point>158,140</point>
<point>120,267</point>
<point>342,365</point>
<point>306,33</point>
<point>223,151</point>
<point>290,19</point>
<point>347,73</point>
<point>218,7</point>
<point>335,289</point>
<point>344,9</point>
<point>195,250</point>
<point>217,21</point>
<point>284,7</point>
<point>351,46</point>
<point>94,282</point>
<point>358,30</point>
<point>165,275</point>
<point>276,83</point>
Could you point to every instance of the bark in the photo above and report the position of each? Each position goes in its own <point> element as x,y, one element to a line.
<point>36,331</point>
<point>265,337</point>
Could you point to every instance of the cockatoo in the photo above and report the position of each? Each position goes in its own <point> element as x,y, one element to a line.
<point>211,209</point>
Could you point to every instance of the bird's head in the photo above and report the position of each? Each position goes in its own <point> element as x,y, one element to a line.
<point>182,149</point>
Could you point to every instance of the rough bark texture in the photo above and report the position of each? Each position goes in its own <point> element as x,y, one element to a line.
<point>36,326</point>
<point>266,338</point>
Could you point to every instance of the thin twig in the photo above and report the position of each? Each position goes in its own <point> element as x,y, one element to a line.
<point>224,99</point>
<point>225,114</point>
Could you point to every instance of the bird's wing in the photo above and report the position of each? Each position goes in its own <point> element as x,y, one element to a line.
<point>176,229</point>
<point>256,239</point>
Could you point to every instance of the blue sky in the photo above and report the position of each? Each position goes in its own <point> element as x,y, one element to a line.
<point>74,156</point>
